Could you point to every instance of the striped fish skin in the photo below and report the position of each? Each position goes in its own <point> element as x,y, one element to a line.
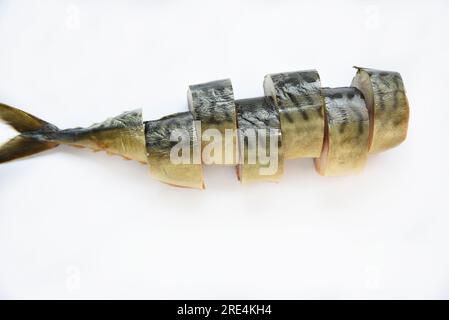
<point>159,146</point>
<point>337,127</point>
<point>212,103</point>
<point>387,104</point>
<point>121,135</point>
<point>253,114</point>
<point>298,98</point>
<point>345,148</point>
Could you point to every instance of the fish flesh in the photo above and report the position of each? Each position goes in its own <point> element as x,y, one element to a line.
<point>296,118</point>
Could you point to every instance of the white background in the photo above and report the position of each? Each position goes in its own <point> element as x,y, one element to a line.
<point>78,224</point>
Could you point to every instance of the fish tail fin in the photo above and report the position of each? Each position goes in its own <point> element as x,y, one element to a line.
<point>33,134</point>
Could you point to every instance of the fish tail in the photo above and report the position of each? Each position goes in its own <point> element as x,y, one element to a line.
<point>33,134</point>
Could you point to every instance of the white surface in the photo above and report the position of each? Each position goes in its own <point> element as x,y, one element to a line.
<point>77,224</point>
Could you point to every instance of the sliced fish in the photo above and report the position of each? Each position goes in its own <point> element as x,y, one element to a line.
<point>212,104</point>
<point>298,97</point>
<point>296,118</point>
<point>173,150</point>
<point>387,105</point>
<point>345,147</point>
<point>260,141</point>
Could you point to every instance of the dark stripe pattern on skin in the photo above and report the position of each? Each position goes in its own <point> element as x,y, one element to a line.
<point>337,127</point>
<point>298,98</point>
<point>258,114</point>
<point>158,135</point>
<point>387,104</point>
<point>212,103</point>
<point>346,144</point>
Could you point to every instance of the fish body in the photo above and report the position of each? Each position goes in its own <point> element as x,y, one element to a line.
<point>296,118</point>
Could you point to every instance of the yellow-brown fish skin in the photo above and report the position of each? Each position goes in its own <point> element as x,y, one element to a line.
<point>345,147</point>
<point>258,114</point>
<point>212,103</point>
<point>388,107</point>
<point>159,146</point>
<point>297,95</point>
<point>337,127</point>
<point>122,135</point>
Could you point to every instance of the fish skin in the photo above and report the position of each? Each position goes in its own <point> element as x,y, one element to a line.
<point>121,135</point>
<point>257,113</point>
<point>345,148</point>
<point>158,145</point>
<point>298,98</point>
<point>344,124</point>
<point>212,103</point>
<point>388,106</point>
